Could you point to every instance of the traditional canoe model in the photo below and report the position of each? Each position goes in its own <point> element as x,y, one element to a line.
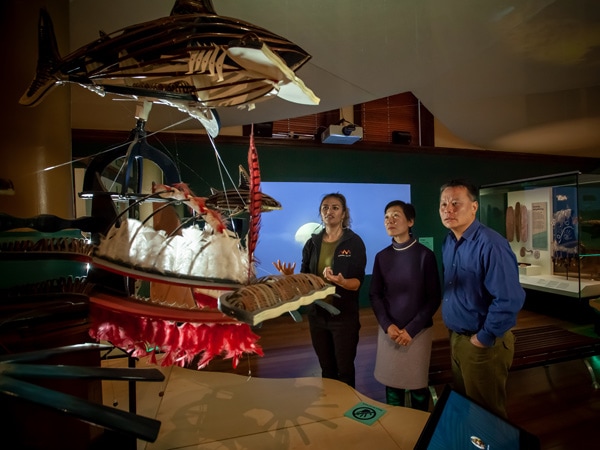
<point>186,318</point>
<point>196,61</point>
<point>204,296</point>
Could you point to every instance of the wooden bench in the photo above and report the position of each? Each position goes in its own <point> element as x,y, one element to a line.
<point>534,347</point>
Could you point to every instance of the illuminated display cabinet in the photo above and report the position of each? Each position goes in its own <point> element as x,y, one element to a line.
<point>553,225</point>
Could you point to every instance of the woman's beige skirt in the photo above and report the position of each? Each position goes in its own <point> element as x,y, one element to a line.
<point>403,367</point>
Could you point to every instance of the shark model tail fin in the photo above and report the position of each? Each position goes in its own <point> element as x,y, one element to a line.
<point>47,65</point>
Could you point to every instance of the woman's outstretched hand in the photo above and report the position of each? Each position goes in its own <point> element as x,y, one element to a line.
<point>285,268</point>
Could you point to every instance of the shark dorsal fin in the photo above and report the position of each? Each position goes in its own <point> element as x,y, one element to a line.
<point>244,179</point>
<point>193,7</point>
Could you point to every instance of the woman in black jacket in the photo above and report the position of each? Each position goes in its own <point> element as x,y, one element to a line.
<point>339,255</point>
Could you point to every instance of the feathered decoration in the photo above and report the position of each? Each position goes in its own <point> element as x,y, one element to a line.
<point>254,204</point>
<point>182,192</point>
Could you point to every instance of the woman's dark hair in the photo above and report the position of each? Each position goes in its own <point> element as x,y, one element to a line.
<point>471,188</point>
<point>407,208</point>
<point>346,221</point>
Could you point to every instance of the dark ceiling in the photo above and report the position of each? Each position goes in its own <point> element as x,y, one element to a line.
<point>519,76</point>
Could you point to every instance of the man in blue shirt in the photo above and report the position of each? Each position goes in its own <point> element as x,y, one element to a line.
<point>481,300</point>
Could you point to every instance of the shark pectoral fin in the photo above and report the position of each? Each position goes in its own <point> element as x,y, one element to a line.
<point>265,62</point>
<point>296,316</point>
<point>261,60</point>
<point>209,118</point>
<point>295,91</point>
<point>330,308</point>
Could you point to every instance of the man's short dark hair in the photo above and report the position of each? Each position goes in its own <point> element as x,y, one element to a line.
<point>471,188</point>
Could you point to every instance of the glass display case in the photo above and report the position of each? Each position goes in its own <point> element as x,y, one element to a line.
<point>553,225</point>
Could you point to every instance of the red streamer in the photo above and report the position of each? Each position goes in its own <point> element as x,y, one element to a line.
<point>179,342</point>
<point>255,203</point>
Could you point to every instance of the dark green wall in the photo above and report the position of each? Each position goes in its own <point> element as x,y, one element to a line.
<point>425,169</point>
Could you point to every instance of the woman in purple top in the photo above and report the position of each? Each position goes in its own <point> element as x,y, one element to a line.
<point>405,294</point>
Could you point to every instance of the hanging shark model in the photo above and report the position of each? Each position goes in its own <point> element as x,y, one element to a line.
<point>193,60</point>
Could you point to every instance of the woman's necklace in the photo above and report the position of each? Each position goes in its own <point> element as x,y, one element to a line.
<point>397,247</point>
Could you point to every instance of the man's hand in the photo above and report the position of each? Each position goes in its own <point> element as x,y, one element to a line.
<point>476,342</point>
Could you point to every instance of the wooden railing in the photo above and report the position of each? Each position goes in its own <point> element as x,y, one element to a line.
<point>534,347</point>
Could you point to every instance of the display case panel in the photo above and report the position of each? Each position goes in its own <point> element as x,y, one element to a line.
<point>553,225</point>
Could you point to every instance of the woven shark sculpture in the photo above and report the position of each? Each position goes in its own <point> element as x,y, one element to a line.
<point>233,202</point>
<point>193,60</point>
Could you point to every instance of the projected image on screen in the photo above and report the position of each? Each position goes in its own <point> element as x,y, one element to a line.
<point>284,233</point>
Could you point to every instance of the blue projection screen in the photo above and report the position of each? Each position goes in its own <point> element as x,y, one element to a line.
<point>284,233</point>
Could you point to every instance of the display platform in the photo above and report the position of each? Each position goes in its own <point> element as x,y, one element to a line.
<point>214,410</point>
<point>561,285</point>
